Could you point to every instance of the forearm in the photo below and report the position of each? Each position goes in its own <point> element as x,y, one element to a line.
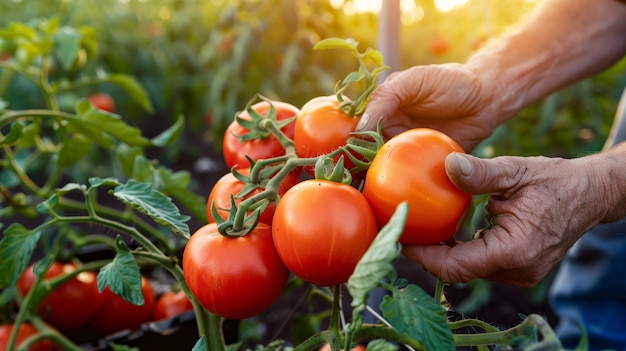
<point>609,171</point>
<point>561,42</point>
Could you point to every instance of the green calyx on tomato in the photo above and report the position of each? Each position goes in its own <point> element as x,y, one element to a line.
<point>264,129</point>
<point>371,64</point>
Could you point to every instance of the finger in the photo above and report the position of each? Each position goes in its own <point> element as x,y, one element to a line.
<point>481,176</point>
<point>458,264</point>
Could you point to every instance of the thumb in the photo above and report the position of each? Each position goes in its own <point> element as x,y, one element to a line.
<point>480,176</point>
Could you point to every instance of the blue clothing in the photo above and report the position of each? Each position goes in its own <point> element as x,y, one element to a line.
<point>590,289</point>
<point>590,286</point>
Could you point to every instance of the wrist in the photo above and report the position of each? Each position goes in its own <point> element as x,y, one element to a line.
<point>608,169</point>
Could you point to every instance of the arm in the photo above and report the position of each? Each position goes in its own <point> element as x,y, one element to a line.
<point>560,43</point>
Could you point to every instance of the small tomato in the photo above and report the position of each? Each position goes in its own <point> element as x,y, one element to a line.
<point>171,304</point>
<point>73,303</point>
<point>26,330</point>
<point>235,151</point>
<point>102,101</point>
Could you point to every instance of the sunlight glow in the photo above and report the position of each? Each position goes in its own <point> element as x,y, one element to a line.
<point>410,11</point>
<point>449,5</point>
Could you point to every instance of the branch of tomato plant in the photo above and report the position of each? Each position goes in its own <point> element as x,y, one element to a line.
<point>369,331</point>
<point>208,324</point>
<point>532,323</point>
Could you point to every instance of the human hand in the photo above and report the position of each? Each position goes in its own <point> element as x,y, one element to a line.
<point>449,97</point>
<point>540,207</point>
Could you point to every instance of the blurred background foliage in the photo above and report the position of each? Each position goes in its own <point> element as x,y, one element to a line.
<point>205,59</point>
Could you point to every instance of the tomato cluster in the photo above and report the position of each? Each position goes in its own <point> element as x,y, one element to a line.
<point>77,302</point>
<point>267,219</point>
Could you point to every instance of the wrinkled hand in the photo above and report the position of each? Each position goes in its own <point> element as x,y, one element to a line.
<point>447,97</point>
<point>540,206</point>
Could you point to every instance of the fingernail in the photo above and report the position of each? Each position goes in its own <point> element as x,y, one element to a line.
<point>463,163</point>
<point>363,121</point>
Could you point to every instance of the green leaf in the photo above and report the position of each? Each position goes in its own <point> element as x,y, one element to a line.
<point>171,135</point>
<point>116,347</point>
<point>420,316</point>
<point>14,134</point>
<point>16,250</point>
<point>133,89</point>
<point>176,185</point>
<point>67,42</point>
<point>100,126</point>
<point>201,344</point>
<point>374,55</point>
<point>336,43</point>
<point>153,203</point>
<point>96,182</point>
<point>73,150</point>
<point>126,156</point>
<point>381,345</point>
<point>122,275</point>
<point>375,264</point>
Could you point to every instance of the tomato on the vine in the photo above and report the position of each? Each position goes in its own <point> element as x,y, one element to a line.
<point>102,101</point>
<point>171,304</point>
<point>234,277</point>
<point>321,230</point>
<point>26,330</point>
<point>323,127</point>
<point>411,167</point>
<point>235,151</point>
<point>117,314</point>
<point>228,184</point>
<point>73,303</point>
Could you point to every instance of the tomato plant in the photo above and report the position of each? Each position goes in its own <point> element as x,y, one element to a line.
<point>71,304</point>
<point>117,314</point>
<point>230,185</point>
<point>26,330</point>
<point>171,304</point>
<point>322,127</point>
<point>321,229</point>
<point>234,277</point>
<point>102,101</point>
<point>411,167</point>
<point>246,136</point>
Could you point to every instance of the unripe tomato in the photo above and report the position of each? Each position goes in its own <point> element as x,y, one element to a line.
<point>235,152</point>
<point>117,314</point>
<point>228,184</point>
<point>235,278</point>
<point>171,304</point>
<point>73,303</point>
<point>322,229</point>
<point>322,127</point>
<point>102,101</point>
<point>411,167</point>
<point>26,331</point>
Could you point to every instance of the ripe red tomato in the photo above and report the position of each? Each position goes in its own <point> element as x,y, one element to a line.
<point>322,127</point>
<point>26,331</point>
<point>73,303</point>
<point>235,278</point>
<point>171,304</point>
<point>235,152</point>
<point>229,185</point>
<point>322,229</point>
<point>411,167</point>
<point>102,101</point>
<point>117,314</point>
